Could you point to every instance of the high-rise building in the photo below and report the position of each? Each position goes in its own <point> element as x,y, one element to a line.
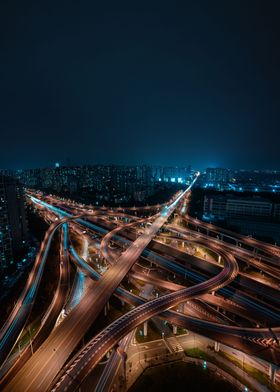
<point>13,222</point>
<point>217,175</point>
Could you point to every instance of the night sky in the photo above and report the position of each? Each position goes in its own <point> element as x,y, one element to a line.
<point>135,82</point>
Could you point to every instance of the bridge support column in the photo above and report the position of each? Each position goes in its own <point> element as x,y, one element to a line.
<point>124,358</point>
<point>272,373</point>
<point>106,308</point>
<point>175,329</point>
<point>145,328</point>
<point>219,259</point>
<point>217,347</point>
<point>213,292</point>
<point>123,355</point>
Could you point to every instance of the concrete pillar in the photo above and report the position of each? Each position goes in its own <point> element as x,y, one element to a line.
<point>107,307</point>
<point>145,328</point>
<point>124,358</point>
<point>219,259</point>
<point>272,373</point>
<point>213,292</point>
<point>175,329</point>
<point>217,347</point>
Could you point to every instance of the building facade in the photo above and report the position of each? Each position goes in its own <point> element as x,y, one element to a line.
<point>13,221</point>
<point>226,206</point>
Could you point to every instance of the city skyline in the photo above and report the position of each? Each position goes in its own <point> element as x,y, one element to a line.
<point>200,168</point>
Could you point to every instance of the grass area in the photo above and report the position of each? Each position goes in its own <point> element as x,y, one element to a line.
<point>153,333</point>
<point>180,376</point>
<point>200,354</point>
<point>251,370</point>
<point>181,331</point>
<point>26,334</point>
<point>144,263</point>
<point>197,353</point>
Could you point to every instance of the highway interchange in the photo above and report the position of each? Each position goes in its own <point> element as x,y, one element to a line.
<point>228,284</point>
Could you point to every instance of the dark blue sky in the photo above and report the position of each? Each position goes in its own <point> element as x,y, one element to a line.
<point>155,82</point>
